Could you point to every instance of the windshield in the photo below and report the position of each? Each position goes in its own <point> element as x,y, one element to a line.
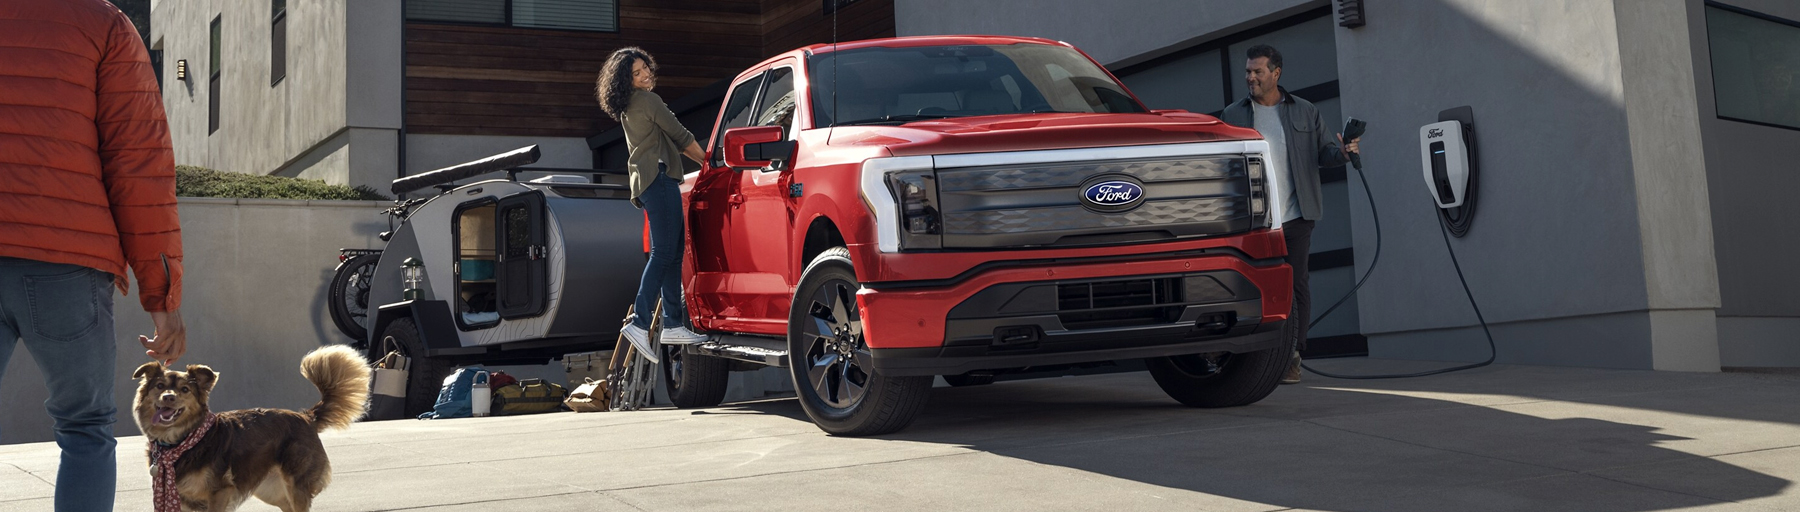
<point>898,85</point>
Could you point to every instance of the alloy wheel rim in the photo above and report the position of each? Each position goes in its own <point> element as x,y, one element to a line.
<point>837,359</point>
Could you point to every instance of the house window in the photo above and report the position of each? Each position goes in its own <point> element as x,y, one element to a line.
<point>1755,66</point>
<point>212,88</point>
<point>278,43</point>
<point>584,15</point>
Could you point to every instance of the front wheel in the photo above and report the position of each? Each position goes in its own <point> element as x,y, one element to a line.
<point>1222,379</point>
<point>833,369</point>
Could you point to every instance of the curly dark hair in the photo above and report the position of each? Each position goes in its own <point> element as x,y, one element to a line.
<point>613,87</point>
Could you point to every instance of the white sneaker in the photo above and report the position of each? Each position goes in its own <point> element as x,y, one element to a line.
<point>640,338</point>
<point>681,336</point>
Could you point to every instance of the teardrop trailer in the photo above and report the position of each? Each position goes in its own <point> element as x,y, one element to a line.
<point>978,205</point>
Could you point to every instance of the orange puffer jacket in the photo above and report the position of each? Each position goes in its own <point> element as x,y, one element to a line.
<point>87,176</point>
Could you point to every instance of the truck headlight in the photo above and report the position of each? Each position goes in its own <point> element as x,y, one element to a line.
<point>901,193</point>
<point>1259,192</point>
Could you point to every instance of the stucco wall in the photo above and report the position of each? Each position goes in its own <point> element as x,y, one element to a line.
<point>341,88</point>
<point>253,299</point>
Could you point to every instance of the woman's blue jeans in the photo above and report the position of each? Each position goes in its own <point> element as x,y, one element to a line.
<point>64,315</point>
<point>662,275</point>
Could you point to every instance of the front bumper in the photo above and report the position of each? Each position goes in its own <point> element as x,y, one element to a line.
<point>990,321</point>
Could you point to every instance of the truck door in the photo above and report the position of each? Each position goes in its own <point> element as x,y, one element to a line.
<point>761,227</point>
<point>709,212</point>
<point>522,273</point>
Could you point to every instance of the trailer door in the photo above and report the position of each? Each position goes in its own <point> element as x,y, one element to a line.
<point>524,252</point>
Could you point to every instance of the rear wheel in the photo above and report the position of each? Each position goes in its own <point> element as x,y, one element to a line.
<point>833,369</point>
<point>1222,379</point>
<point>694,380</point>
<point>349,296</point>
<point>426,375</point>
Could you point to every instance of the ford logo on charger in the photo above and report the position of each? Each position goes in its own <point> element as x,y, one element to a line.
<point>1115,194</point>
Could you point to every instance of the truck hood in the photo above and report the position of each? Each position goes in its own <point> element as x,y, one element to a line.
<point>1025,132</point>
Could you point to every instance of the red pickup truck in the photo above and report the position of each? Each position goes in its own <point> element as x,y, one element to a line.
<point>880,212</point>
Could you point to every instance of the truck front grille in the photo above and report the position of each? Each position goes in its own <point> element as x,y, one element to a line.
<point>1041,205</point>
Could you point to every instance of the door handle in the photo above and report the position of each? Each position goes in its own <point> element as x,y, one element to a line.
<point>736,200</point>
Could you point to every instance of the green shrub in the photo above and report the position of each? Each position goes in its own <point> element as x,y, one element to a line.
<point>193,181</point>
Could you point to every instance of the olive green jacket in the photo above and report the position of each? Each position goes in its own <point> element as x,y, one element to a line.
<point>652,135</point>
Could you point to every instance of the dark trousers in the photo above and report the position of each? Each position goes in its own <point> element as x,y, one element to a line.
<point>662,274</point>
<point>1298,233</point>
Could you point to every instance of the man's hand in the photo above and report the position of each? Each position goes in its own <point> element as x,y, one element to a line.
<point>170,340</point>
<point>1349,147</point>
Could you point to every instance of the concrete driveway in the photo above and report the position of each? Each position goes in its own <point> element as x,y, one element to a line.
<point>1500,438</point>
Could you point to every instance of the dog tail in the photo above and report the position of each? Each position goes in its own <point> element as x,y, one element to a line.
<point>342,376</point>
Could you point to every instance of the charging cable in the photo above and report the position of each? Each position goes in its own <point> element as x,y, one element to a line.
<point>1354,129</point>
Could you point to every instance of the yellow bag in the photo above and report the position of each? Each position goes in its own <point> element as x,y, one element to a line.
<point>529,396</point>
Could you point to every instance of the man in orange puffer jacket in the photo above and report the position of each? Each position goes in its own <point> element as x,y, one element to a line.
<point>87,187</point>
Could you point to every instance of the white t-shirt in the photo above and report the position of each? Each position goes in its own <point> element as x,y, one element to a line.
<point>1268,123</point>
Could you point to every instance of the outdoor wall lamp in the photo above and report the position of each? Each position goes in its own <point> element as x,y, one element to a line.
<point>413,272</point>
<point>1350,13</point>
<point>181,70</point>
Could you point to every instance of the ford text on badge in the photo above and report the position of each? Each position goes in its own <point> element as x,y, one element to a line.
<point>1112,196</point>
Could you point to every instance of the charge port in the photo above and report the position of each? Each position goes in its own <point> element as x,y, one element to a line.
<point>1016,336</point>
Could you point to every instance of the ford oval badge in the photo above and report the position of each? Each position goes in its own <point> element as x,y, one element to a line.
<point>1116,194</point>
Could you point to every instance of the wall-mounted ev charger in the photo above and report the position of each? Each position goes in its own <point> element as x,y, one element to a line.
<point>1448,159</point>
<point>1446,162</point>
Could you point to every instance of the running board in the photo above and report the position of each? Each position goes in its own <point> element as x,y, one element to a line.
<point>750,349</point>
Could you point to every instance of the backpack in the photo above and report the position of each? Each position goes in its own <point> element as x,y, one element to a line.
<point>453,397</point>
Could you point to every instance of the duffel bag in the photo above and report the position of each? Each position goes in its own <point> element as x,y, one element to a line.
<point>529,396</point>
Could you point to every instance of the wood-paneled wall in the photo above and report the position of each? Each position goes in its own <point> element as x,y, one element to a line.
<point>516,81</point>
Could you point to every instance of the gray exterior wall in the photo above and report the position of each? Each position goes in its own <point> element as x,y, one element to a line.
<point>1755,234</point>
<point>342,86</point>
<point>1113,33</point>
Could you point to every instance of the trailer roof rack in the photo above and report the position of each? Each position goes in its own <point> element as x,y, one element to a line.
<point>509,161</point>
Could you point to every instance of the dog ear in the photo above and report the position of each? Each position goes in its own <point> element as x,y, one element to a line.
<point>147,370</point>
<point>203,376</point>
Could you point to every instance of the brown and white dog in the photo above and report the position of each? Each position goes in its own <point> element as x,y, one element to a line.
<point>272,454</point>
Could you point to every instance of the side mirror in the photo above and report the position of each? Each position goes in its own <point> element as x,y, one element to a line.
<point>756,146</point>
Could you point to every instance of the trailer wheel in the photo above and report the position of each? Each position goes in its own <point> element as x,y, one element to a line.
<point>694,380</point>
<point>426,375</point>
<point>349,296</point>
<point>833,369</point>
<point>1222,379</point>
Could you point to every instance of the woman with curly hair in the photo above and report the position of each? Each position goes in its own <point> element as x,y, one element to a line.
<point>656,142</point>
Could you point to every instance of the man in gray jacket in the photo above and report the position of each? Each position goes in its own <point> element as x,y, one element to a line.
<point>1298,147</point>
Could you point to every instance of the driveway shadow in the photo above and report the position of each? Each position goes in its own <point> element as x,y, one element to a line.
<point>1373,451</point>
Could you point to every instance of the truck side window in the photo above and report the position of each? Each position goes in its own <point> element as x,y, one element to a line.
<point>777,105</point>
<point>737,114</point>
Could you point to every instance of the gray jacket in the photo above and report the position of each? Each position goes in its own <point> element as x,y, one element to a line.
<point>1310,146</point>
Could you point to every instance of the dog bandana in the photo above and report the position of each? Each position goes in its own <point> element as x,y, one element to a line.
<point>168,498</point>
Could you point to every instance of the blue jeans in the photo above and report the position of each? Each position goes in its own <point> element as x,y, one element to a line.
<point>64,314</point>
<point>662,274</point>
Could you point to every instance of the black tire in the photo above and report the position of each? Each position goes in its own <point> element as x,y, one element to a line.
<point>828,356</point>
<point>426,375</point>
<point>694,380</point>
<point>966,380</point>
<point>349,296</point>
<point>1222,379</point>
